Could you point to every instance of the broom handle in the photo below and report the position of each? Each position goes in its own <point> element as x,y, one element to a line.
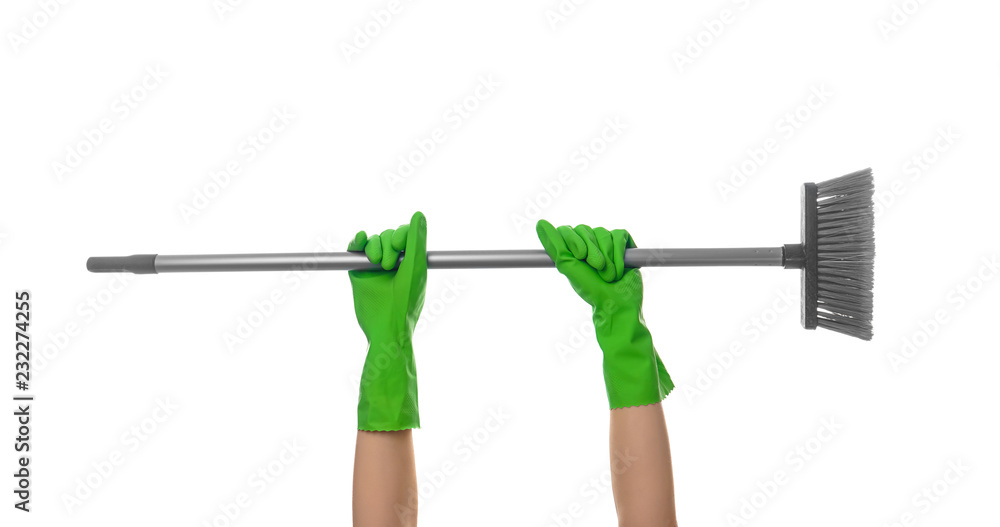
<point>152,263</point>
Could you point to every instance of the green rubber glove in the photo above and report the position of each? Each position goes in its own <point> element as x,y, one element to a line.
<point>387,303</point>
<point>594,262</point>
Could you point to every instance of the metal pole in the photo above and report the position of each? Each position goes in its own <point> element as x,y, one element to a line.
<point>501,259</point>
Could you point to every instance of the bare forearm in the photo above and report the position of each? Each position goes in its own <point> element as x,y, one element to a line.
<point>385,479</point>
<point>641,472</point>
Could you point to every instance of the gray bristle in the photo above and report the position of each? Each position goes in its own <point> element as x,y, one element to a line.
<point>846,253</point>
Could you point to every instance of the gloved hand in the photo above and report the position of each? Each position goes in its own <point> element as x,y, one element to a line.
<point>387,303</point>
<point>594,262</point>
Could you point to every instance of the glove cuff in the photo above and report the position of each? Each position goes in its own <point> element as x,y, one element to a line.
<point>634,375</point>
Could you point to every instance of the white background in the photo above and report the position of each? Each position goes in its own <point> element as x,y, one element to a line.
<point>897,86</point>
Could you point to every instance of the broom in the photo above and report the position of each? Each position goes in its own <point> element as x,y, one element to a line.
<point>836,256</point>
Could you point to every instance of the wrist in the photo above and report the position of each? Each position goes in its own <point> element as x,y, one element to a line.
<point>634,375</point>
<point>388,389</point>
<point>620,326</point>
<point>388,358</point>
<point>389,336</point>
